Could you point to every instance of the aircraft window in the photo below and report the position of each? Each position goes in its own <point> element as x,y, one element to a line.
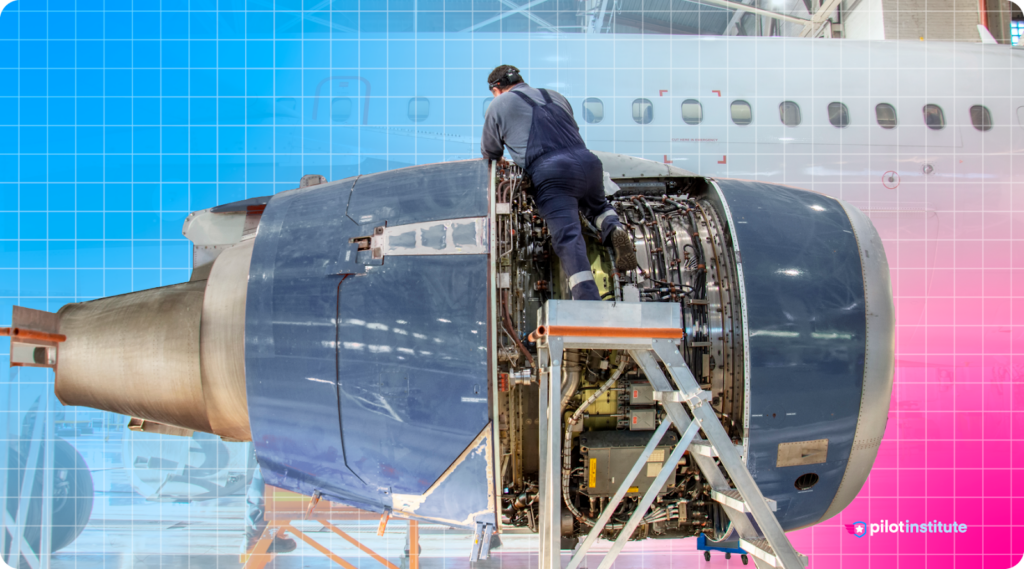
<point>693,112</point>
<point>933,117</point>
<point>789,113</point>
<point>643,111</point>
<point>341,109</point>
<point>981,118</point>
<point>885,114</point>
<point>593,110</point>
<point>741,113</point>
<point>419,109</point>
<point>838,115</point>
<point>1020,116</point>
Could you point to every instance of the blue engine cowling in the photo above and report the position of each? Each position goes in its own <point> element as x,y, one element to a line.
<point>368,355</point>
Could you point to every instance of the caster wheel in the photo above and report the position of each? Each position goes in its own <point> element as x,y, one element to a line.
<point>728,555</point>
<point>707,556</point>
<point>744,559</point>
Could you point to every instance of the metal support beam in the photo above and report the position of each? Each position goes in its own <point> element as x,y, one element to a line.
<point>532,17</point>
<point>609,509</point>
<point>504,15</point>
<point>715,433</point>
<point>817,21</point>
<point>734,21</point>
<point>761,11</point>
<point>46,529</point>
<point>597,21</point>
<point>549,431</point>
<point>666,469</point>
<point>648,332</point>
<point>29,480</point>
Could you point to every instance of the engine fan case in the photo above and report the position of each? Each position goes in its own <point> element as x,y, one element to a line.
<point>819,340</point>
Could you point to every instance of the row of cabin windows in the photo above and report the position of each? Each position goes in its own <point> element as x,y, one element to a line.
<point>789,114</point>
<point>693,113</point>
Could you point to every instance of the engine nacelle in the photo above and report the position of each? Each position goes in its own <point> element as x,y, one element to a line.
<point>371,336</point>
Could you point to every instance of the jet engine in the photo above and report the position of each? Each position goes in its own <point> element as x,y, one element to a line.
<point>372,336</point>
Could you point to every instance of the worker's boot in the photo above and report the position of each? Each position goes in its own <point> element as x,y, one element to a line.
<point>280,544</point>
<point>625,256</point>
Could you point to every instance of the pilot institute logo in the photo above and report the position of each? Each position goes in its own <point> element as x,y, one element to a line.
<point>859,529</point>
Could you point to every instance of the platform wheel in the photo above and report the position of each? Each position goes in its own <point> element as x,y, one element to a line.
<point>728,555</point>
<point>707,556</point>
<point>744,559</point>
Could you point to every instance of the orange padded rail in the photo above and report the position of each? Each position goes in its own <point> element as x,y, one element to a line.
<point>32,335</point>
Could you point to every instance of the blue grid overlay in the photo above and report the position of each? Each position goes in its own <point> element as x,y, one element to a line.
<point>116,120</point>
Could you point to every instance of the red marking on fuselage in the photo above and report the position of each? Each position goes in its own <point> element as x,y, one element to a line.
<point>715,91</point>
<point>661,92</point>
<point>667,161</point>
<point>722,161</point>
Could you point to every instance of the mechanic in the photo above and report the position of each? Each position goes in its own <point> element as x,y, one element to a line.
<point>542,136</point>
<point>255,507</point>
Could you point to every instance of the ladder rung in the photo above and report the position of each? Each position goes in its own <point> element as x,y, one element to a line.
<point>762,550</point>
<point>733,499</point>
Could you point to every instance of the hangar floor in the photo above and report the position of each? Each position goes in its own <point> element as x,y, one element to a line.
<point>126,531</point>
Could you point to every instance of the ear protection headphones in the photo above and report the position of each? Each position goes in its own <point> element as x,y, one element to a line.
<point>511,77</point>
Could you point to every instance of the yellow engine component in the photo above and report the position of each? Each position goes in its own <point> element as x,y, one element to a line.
<point>601,266</point>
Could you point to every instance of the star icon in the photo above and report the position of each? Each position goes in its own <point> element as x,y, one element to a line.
<point>859,529</point>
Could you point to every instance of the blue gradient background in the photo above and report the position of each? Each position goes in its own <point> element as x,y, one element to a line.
<point>117,120</point>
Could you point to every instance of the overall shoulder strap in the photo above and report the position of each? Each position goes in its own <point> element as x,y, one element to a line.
<point>547,96</point>
<point>525,97</point>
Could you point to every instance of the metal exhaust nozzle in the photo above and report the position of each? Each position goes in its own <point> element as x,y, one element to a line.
<point>173,355</point>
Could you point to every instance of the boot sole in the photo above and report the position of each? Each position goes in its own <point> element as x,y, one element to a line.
<point>625,257</point>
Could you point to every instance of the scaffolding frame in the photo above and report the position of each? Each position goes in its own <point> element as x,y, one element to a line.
<point>650,333</point>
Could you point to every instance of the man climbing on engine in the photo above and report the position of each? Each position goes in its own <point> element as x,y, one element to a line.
<point>542,136</point>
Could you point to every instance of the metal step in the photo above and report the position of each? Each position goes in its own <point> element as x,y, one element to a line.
<point>704,448</point>
<point>733,499</point>
<point>761,549</point>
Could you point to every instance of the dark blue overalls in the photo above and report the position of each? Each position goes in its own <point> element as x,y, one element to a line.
<point>567,179</point>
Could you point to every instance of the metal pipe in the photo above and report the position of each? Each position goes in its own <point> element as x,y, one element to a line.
<point>36,335</point>
<point>572,373</point>
<point>511,329</point>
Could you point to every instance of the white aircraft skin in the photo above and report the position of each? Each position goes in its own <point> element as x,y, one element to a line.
<point>943,200</point>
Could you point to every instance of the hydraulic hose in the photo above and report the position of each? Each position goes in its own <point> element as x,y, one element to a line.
<point>567,447</point>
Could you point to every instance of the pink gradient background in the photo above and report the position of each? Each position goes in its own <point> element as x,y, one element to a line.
<point>954,444</point>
